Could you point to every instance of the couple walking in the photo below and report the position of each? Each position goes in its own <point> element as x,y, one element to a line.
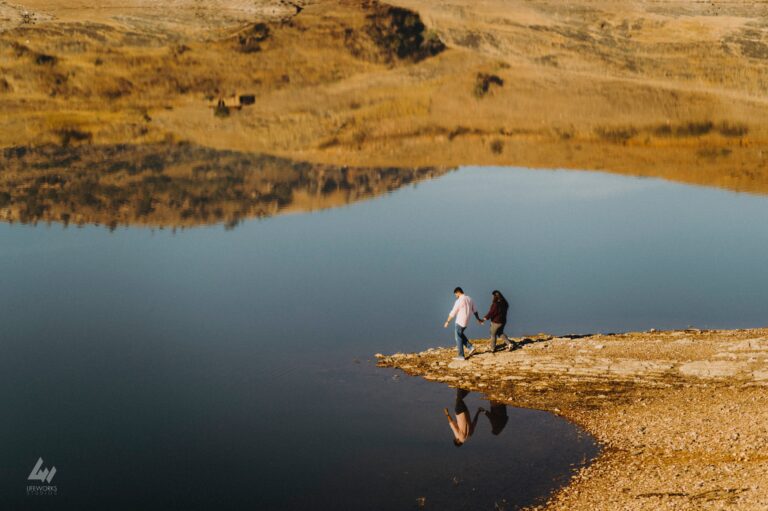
<point>464,308</point>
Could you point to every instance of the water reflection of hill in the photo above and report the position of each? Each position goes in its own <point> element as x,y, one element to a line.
<point>176,185</point>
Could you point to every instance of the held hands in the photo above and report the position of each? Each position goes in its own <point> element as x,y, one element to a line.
<point>445,325</point>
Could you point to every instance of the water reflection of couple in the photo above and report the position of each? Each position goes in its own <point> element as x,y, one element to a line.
<point>463,428</point>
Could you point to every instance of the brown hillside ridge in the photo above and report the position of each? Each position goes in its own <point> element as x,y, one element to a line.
<point>674,89</point>
<point>682,415</point>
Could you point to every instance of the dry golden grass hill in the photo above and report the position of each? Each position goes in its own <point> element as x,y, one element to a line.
<point>674,89</point>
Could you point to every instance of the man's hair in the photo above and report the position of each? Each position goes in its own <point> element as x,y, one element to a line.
<point>458,290</point>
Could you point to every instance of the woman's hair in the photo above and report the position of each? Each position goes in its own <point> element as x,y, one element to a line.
<point>498,297</point>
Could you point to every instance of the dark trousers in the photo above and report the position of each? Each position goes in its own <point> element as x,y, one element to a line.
<point>460,406</point>
<point>497,330</point>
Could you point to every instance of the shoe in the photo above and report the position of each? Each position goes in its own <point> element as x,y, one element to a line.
<point>459,358</point>
<point>471,352</point>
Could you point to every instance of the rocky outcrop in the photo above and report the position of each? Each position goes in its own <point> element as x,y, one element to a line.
<point>391,34</point>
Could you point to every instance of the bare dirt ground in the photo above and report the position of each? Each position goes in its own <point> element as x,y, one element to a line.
<point>669,88</point>
<point>682,415</point>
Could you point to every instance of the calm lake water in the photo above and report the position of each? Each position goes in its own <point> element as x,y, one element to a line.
<point>232,369</point>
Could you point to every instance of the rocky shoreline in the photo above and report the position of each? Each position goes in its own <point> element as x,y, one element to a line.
<point>682,415</point>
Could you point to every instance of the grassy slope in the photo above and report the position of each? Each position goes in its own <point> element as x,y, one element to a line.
<point>670,89</point>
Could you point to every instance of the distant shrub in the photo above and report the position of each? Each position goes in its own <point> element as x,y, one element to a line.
<point>15,152</point>
<point>69,135</point>
<point>694,129</point>
<point>121,87</point>
<point>733,130</point>
<point>688,129</point>
<point>156,181</point>
<point>459,130</point>
<point>664,130</point>
<point>153,162</point>
<point>43,59</point>
<point>713,152</point>
<point>119,166</point>
<point>617,135</point>
<point>483,82</point>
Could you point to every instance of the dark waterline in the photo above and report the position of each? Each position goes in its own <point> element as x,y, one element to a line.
<point>232,369</point>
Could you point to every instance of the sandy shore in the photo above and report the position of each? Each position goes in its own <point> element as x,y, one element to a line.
<point>682,415</point>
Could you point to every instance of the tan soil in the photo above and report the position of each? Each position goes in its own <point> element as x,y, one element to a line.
<point>682,415</point>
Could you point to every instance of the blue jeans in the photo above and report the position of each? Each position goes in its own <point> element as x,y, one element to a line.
<point>461,340</point>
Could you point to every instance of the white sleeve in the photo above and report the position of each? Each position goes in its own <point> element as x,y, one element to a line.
<point>454,310</point>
